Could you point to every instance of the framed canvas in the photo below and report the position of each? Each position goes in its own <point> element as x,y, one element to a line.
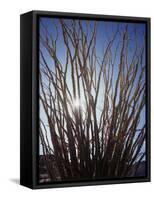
<point>85,99</point>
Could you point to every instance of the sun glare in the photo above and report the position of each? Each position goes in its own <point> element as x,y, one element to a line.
<point>77,103</point>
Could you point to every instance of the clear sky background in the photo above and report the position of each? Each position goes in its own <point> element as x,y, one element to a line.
<point>105,30</point>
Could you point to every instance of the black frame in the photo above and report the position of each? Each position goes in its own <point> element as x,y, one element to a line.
<point>29,101</point>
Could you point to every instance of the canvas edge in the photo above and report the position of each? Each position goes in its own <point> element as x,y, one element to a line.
<point>26,99</point>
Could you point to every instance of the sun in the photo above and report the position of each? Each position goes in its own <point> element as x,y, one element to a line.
<point>77,103</point>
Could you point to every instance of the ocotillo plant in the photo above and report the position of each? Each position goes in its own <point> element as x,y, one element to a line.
<point>92,99</point>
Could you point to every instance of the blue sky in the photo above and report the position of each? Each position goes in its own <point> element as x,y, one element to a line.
<point>105,31</point>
